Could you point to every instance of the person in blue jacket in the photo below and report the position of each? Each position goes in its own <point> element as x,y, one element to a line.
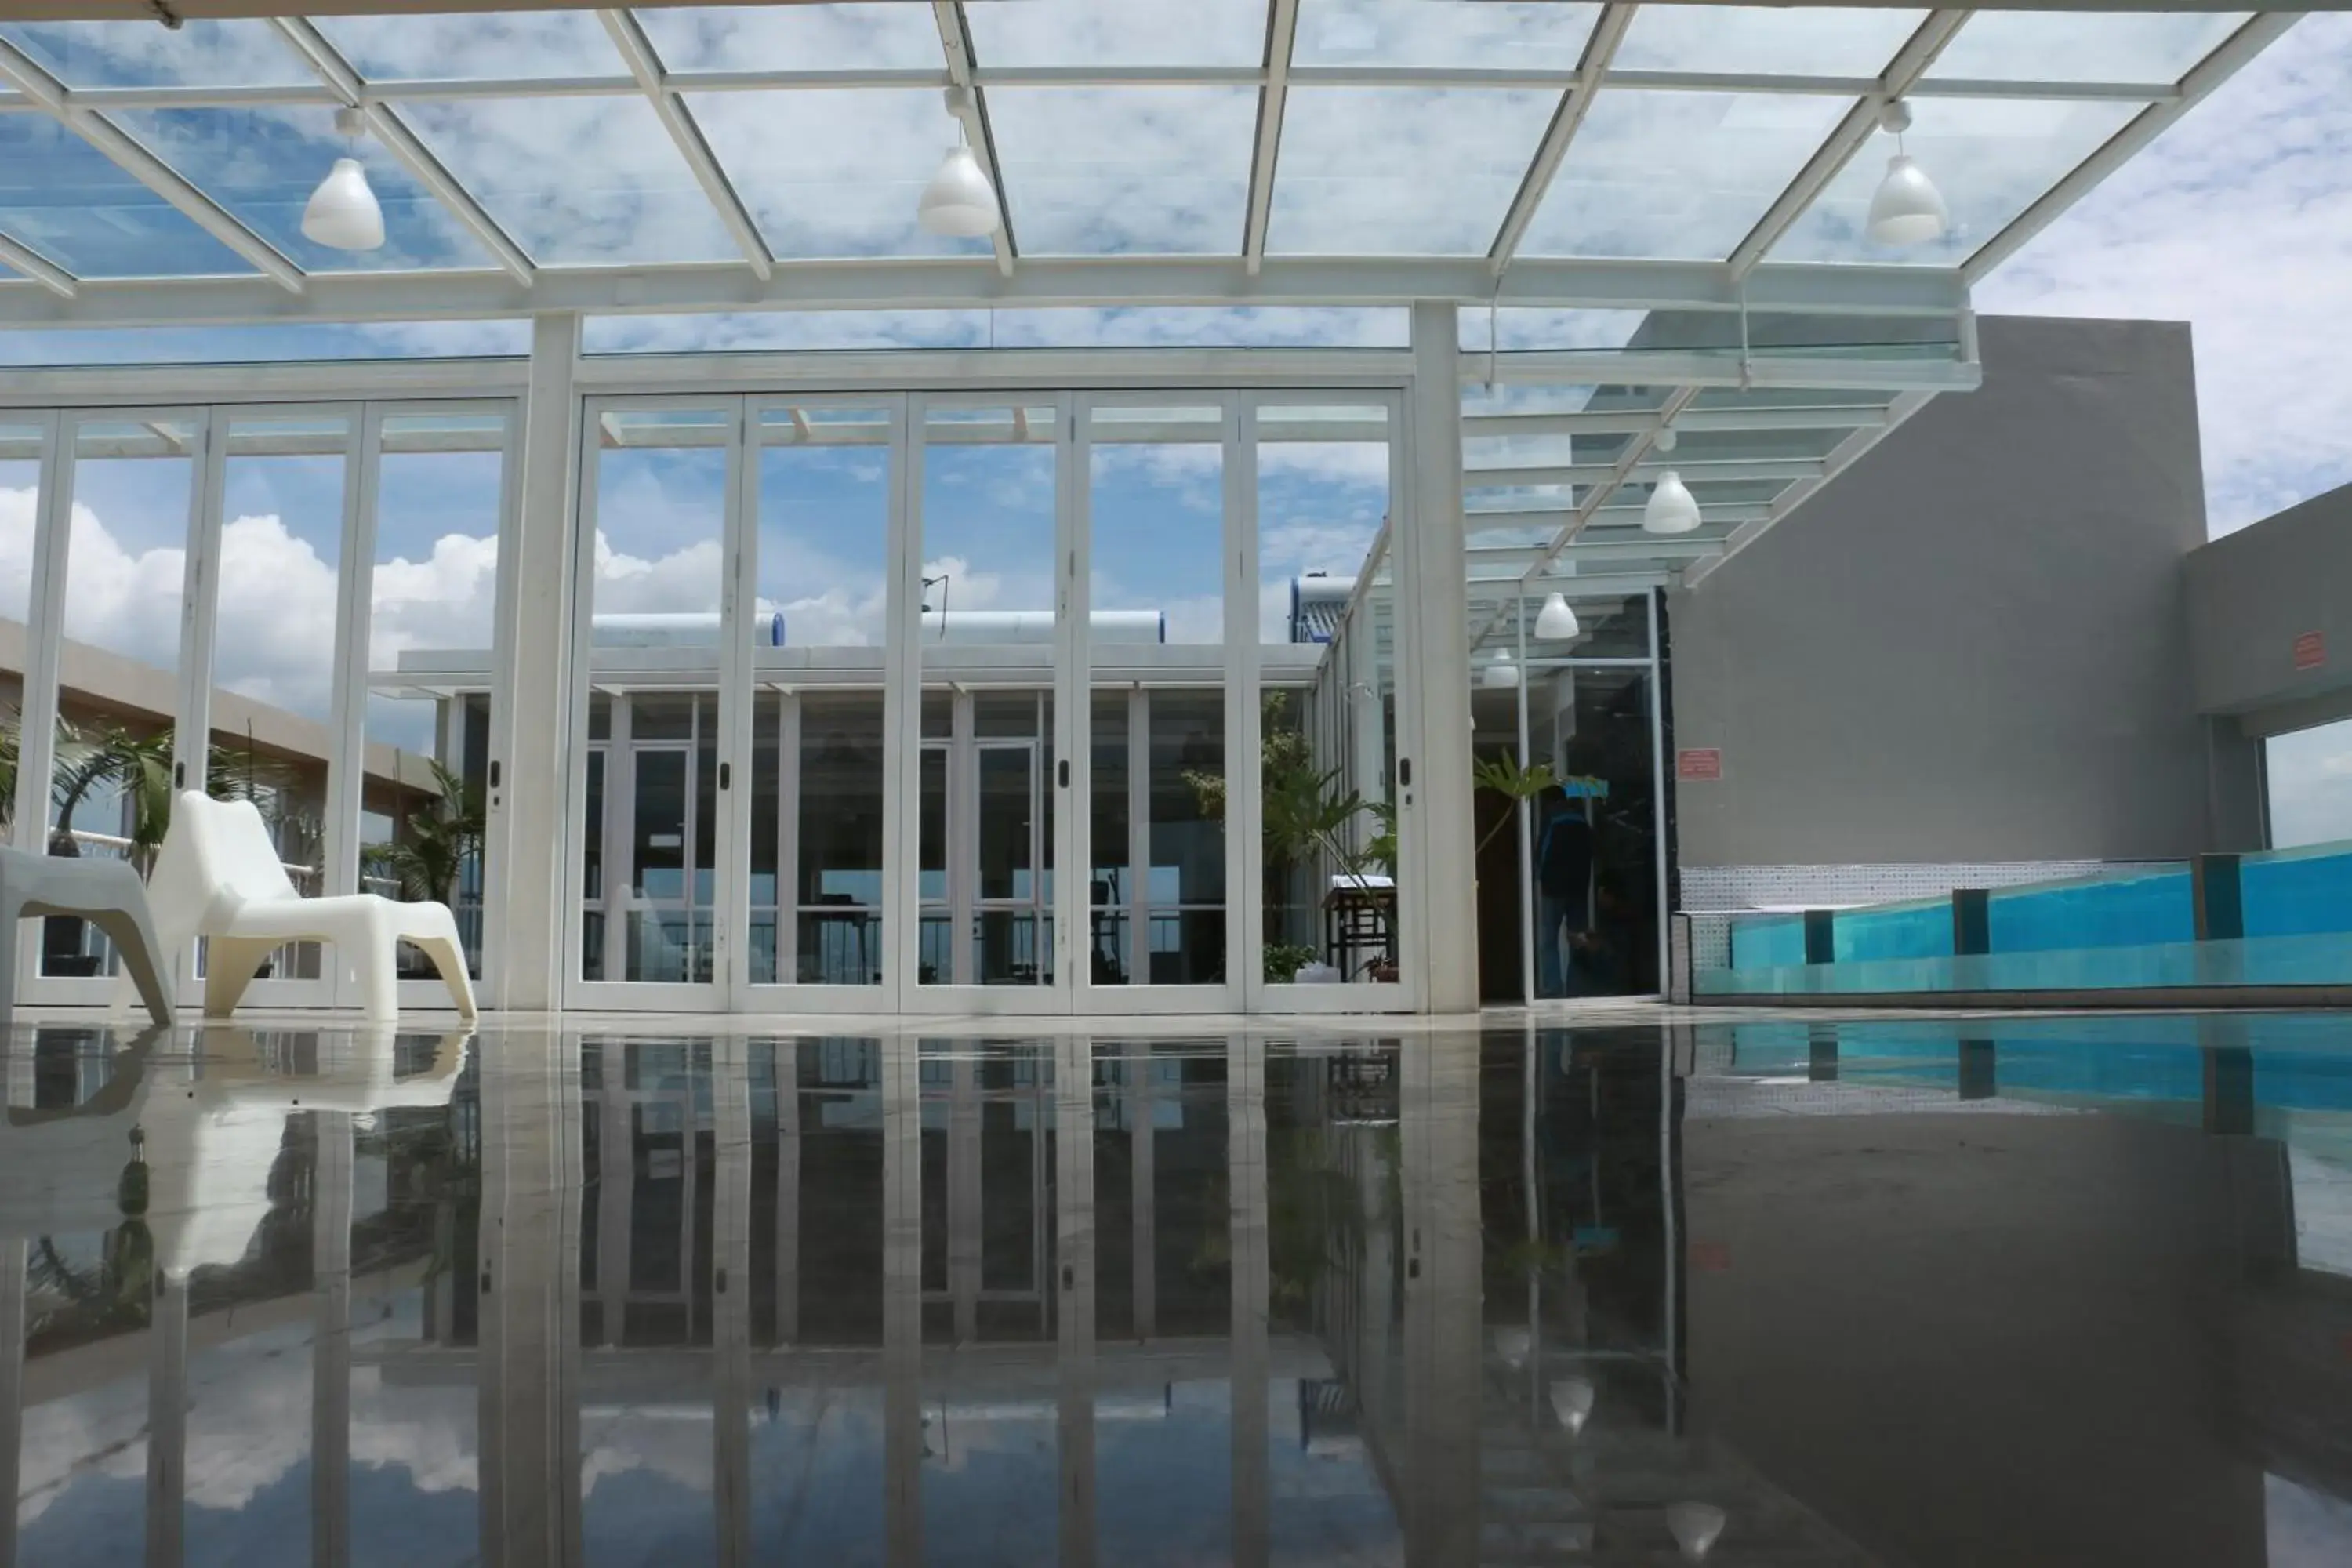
<point>1563,896</point>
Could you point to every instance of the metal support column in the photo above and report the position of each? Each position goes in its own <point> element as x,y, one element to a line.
<point>527,822</point>
<point>730,1299</point>
<point>1252,1287</point>
<point>902,1302</point>
<point>331,1338</point>
<point>1074,1235</point>
<point>1433,606</point>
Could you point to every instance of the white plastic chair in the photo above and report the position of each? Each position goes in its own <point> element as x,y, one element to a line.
<point>219,877</point>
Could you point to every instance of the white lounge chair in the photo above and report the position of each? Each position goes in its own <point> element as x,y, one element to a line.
<point>104,892</point>
<point>219,877</point>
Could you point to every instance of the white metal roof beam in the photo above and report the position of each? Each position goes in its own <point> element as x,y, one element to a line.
<point>1622,469</point>
<point>1609,521</point>
<point>125,151</point>
<point>955,283</point>
<point>345,87</point>
<point>145,10</point>
<point>1574,104</point>
<point>199,95</point>
<point>1843,456</point>
<point>646,68</point>
<point>1911,61</point>
<point>37,267</point>
<point>2210,73</point>
<point>955,40</point>
<point>1272,99</point>
<point>1504,427</point>
<point>1724,471</point>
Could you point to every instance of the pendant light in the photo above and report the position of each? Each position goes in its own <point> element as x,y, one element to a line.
<point>1556,622</point>
<point>1671,509</point>
<point>1571,1401</point>
<point>959,202</point>
<point>1907,209</point>
<point>1501,675</point>
<point>342,213</point>
<point>1695,1527</point>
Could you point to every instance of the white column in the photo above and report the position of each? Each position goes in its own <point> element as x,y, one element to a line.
<point>731,1301</point>
<point>902,1302</point>
<point>1435,722</point>
<point>1074,1233</point>
<point>527,818</point>
<point>331,1341</point>
<point>1250,1380</point>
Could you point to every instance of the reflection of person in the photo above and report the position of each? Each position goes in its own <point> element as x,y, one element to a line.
<point>1563,896</point>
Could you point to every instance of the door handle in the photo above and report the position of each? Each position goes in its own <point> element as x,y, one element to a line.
<point>1063,770</point>
<point>724,775</point>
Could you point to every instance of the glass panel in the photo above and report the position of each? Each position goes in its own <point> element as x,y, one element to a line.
<point>793,38</point>
<point>126,565</point>
<point>524,161</point>
<point>1328,704</point>
<point>1683,175</point>
<point>263,165</point>
<point>1158,560</point>
<point>989,618</point>
<point>936,964</point>
<point>20,514</point>
<point>64,198</point>
<point>1110,891</point>
<point>2308,777</point>
<point>196,53</point>
<point>274,642</point>
<point>1092,171</point>
<point>1130,33</point>
<point>412,48</point>
<point>822,540</point>
<point>1990,157</point>
<point>840,838</point>
<point>1765,39</point>
<point>2083,45</point>
<point>1542,35</point>
<point>659,513</point>
<point>432,602</point>
<point>1385,170</point>
<point>836,172</point>
<point>1594,838</point>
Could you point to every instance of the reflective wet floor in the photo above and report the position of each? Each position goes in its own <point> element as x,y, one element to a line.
<point>2061,1291</point>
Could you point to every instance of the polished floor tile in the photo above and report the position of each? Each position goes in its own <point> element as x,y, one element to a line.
<point>1635,1288</point>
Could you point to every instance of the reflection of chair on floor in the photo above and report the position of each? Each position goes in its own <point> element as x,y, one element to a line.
<point>205,1135</point>
<point>219,877</point>
<point>107,893</point>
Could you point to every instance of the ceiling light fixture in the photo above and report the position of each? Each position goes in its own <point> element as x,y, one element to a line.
<point>960,202</point>
<point>1695,1527</point>
<point>1501,675</point>
<point>1907,209</point>
<point>342,213</point>
<point>1556,622</point>
<point>1671,509</point>
<point>1571,1401</point>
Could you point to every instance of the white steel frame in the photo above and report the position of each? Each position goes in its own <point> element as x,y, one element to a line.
<point>360,448</point>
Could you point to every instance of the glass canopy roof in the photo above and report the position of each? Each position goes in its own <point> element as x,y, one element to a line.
<point>764,135</point>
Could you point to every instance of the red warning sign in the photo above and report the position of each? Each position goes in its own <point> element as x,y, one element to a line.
<point>2310,650</point>
<point>1702,765</point>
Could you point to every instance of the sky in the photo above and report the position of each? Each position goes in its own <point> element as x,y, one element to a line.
<point>2237,221</point>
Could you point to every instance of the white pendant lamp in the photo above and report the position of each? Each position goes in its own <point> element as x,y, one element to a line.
<point>1501,675</point>
<point>959,202</point>
<point>1907,209</point>
<point>1571,1401</point>
<point>1671,509</point>
<point>1556,622</point>
<point>342,213</point>
<point>1696,1526</point>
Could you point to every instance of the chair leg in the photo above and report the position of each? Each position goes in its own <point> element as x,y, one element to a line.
<point>134,939</point>
<point>449,962</point>
<point>378,961</point>
<point>230,964</point>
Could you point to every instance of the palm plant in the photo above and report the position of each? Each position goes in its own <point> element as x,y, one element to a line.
<point>435,841</point>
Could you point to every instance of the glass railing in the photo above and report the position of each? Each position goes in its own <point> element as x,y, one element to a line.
<point>2282,919</point>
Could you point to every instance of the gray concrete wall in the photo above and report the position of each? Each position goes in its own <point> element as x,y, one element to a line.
<point>2254,593</point>
<point>1972,646</point>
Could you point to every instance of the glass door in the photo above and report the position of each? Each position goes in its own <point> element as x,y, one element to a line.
<point>661,661</point>
<point>984,586</point>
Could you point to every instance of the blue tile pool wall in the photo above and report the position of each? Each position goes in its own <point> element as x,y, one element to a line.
<point>2137,911</point>
<point>1919,930</point>
<point>2297,892</point>
<point>1766,942</point>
